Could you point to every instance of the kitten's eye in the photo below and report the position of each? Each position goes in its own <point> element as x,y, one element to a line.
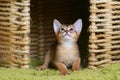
<point>71,29</point>
<point>62,29</point>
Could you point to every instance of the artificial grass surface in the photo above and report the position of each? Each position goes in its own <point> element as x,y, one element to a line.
<point>110,72</point>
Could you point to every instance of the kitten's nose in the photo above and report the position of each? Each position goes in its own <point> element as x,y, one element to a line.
<point>66,31</point>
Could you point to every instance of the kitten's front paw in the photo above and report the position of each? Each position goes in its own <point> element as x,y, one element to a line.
<point>64,72</point>
<point>41,68</point>
<point>75,68</point>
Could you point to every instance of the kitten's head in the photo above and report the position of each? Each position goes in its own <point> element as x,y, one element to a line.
<point>67,33</point>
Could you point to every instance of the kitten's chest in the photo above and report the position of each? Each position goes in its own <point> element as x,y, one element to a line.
<point>67,48</point>
<point>67,53</point>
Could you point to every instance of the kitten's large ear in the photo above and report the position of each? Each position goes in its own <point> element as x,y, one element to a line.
<point>56,25</point>
<point>78,26</point>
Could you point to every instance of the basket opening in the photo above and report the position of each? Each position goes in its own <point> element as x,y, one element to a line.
<point>66,11</point>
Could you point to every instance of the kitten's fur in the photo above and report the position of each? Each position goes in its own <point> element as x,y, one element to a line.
<point>66,52</point>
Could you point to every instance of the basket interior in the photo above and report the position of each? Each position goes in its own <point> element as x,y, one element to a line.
<point>67,12</point>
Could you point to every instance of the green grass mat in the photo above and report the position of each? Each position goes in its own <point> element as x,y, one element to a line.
<point>110,72</point>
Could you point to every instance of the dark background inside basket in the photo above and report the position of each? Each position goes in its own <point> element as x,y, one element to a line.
<point>56,9</point>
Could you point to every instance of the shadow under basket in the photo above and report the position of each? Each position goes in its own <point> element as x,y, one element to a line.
<point>26,30</point>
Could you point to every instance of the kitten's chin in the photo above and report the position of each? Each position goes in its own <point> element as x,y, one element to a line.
<point>67,39</point>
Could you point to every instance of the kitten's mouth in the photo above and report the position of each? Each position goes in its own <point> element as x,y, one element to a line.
<point>67,35</point>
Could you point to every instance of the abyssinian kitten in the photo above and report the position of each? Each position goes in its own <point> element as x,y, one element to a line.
<point>65,53</point>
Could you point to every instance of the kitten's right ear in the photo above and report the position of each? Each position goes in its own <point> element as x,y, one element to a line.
<point>78,26</point>
<point>56,25</point>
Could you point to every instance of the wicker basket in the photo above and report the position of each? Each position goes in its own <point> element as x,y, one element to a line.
<point>20,40</point>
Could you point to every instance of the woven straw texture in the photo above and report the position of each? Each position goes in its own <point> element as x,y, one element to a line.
<point>14,33</point>
<point>4,33</point>
<point>104,39</point>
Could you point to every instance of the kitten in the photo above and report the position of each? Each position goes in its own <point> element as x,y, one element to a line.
<point>65,53</point>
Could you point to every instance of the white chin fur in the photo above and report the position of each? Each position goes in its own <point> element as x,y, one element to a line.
<point>67,39</point>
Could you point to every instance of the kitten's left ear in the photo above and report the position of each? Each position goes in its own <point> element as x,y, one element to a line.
<point>78,26</point>
<point>56,25</point>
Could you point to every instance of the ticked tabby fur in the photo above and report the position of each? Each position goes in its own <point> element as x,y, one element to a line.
<point>65,53</point>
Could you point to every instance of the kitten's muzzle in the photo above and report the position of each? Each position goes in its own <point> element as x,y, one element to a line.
<point>67,35</point>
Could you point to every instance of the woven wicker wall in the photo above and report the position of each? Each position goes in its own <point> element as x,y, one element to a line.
<point>115,31</point>
<point>5,33</point>
<point>104,30</point>
<point>14,33</point>
<point>20,29</point>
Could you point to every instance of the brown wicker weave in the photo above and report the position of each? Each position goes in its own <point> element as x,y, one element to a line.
<point>5,36</point>
<point>14,33</point>
<point>104,30</point>
<point>115,31</point>
<point>20,29</point>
